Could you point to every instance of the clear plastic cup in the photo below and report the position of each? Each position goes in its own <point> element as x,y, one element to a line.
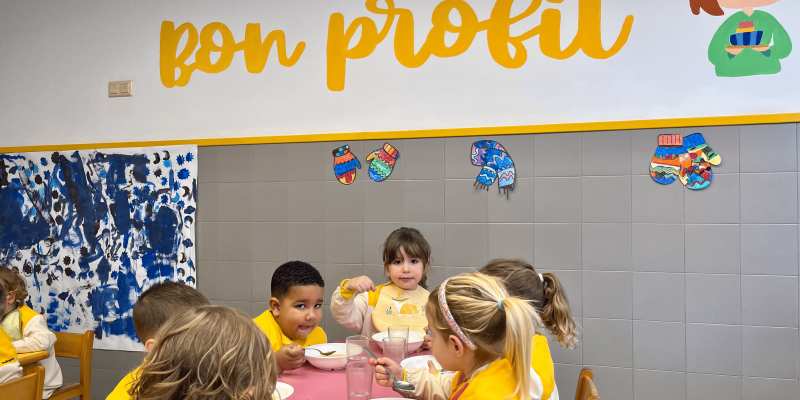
<point>399,331</point>
<point>395,348</point>
<point>355,348</point>
<point>359,380</point>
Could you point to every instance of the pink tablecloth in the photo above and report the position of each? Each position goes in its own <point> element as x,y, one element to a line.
<point>310,383</point>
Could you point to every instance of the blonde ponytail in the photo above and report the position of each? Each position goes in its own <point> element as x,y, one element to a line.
<point>499,325</point>
<point>517,349</point>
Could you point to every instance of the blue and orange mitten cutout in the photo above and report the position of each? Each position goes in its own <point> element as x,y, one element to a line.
<point>345,164</point>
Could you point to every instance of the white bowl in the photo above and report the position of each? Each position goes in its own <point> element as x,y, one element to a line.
<point>415,339</point>
<point>282,391</point>
<point>420,362</point>
<point>337,360</point>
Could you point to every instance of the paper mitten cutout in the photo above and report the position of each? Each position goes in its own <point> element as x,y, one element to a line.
<point>696,147</point>
<point>382,162</point>
<point>695,173</point>
<point>345,164</point>
<point>666,166</point>
<point>696,162</point>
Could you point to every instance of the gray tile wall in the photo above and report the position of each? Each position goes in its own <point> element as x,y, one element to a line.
<point>680,294</point>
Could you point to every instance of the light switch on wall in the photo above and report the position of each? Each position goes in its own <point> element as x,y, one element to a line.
<point>120,89</point>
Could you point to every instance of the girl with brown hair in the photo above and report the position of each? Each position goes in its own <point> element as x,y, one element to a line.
<point>209,353</point>
<point>550,299</point>
<point>406,262</point>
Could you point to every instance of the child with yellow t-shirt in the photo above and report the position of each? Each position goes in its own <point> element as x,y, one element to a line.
<point>357,303</point>
<point>9,365</point>
<point>295,311</point>
<point>153,309</point>
<point>481,333</point>
<point>28,329</point>
<point>545,292</point>
<point>208,353</point>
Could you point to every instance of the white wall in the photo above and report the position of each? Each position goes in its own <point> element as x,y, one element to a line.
<point>56,59</point>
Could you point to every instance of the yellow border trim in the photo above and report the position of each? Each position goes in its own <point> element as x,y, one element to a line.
<point>432,133</point>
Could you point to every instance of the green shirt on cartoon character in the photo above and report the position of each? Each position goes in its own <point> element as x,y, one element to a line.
<point>749,42</point>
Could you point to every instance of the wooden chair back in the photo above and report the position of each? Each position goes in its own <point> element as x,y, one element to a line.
<point>29,387</point>
<point>75,345</point>
<point>586,389</point>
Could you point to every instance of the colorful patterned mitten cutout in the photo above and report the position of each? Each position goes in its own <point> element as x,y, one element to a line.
<point>12,324</point>
<point>382,162</point>
<point>696,162</point>
<point>696,147</point>
<point>666,166</point>
<point>345,164</point>
<point>695,174</point>
<point>497,166</point>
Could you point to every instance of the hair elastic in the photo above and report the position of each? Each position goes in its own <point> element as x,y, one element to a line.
<point>449,317</point>
<point>541,278</point>
<point>500,303</point>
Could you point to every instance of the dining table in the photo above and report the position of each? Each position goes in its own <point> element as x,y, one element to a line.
<point>310,383</point>
<point>28,360</point>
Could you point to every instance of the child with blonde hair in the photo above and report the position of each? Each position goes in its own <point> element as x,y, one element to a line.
<point>549,297</point>
<point>479,331</point>
<point>152,310</point>
<point>209,353</point>
<point>406,262</point>
<point>27,328</point>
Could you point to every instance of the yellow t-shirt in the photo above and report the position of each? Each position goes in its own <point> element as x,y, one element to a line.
<point>542,363</point>
<point>278,339</point>
<point>8,354</point>
<point>9,366</point>
<point>495,382</point>
<point>121,391</point>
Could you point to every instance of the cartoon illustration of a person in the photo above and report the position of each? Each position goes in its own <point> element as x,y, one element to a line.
<point>749,42</point>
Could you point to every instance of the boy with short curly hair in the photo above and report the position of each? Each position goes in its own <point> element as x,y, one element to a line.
<point>295,311</point>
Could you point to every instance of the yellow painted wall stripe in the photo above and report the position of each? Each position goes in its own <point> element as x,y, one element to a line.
<point>433,133</point>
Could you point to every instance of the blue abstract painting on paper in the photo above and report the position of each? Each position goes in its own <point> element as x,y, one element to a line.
<point>90,230</point>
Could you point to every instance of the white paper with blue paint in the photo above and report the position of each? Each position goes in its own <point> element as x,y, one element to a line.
<point>90,230</point>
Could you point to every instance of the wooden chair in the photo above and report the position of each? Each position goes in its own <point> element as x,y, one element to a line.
<point>75,345</point>
<point>586,389</point>
<point>29,387</point>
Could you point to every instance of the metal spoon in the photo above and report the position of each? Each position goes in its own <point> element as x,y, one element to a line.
<point>394,298</point>
<point>324,353</point>
<point>399,385</point>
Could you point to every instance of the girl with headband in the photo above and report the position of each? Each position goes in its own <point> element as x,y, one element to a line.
<point>480,332</point>
<point>550,299</point>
